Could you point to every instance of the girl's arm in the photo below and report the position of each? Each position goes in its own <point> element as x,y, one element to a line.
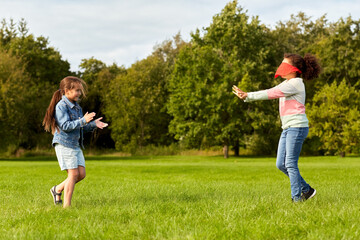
<point>94,124</point>
<point>90,127</point>
<point>285,89</point>
<point>65,122</point>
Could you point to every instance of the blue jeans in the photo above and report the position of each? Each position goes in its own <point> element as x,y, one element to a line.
<point>290,144</point>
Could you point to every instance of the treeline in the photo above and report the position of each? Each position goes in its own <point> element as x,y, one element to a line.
<point>181,96</point>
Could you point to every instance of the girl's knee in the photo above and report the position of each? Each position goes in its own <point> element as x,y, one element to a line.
<point>73,174</point>
<point>82,175</point>
<point>280,166</point>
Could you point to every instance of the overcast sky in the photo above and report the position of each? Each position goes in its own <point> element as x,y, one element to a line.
<point>126,31</point>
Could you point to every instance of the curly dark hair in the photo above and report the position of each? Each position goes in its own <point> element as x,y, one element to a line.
<point>308,65</point>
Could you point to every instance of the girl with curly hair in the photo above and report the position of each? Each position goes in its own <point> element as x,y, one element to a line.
<point>295,125</point>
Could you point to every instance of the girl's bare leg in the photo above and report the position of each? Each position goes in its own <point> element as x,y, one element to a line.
<point>69,186</point>
<point>82,173</point>
<point>74,176</point>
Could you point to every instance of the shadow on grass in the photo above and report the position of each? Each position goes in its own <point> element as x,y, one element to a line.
<point>128,158</point>
<point>87,158</point>
<point>22,159</point>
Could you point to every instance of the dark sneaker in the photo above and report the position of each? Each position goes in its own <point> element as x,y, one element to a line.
<point>310,194</point>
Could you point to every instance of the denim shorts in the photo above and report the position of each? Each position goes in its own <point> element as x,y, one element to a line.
<point>69,158</point>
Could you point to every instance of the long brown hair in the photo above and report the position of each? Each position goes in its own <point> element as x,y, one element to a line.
<point>69,82</point>
<point>308,65</point>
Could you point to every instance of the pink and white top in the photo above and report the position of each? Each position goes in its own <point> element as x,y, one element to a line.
<point>291,94</point>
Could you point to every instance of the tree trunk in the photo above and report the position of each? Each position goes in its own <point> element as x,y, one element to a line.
<point>237,149</point>
<point>142,134</point>
<point>94,138</point>
<point>342,154</point>
<point>226,151</point>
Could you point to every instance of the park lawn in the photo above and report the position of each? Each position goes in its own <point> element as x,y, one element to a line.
<point>181,197</point>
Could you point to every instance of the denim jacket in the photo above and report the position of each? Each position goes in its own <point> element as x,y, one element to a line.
<point>71,123</point>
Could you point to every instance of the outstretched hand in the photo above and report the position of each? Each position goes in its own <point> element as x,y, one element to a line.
<point>238,92</point>
<point>100,124</point>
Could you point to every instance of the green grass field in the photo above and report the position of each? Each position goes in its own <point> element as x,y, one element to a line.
<point>181,197</point>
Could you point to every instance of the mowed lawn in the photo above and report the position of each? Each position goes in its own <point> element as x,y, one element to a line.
<point>181,197</point>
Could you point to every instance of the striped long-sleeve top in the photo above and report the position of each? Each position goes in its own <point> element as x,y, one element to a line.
<point>291,94</point>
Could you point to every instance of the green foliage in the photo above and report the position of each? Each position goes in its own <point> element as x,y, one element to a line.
<point>16,97</point>
<point>98,77</point>
<point>339,51</point>
<point>233,50</point>
<point>334,118</point>
<point>136,100</point>
<point>298,34</point>
<point>45,68</point>
<point>182,91</point>
<point>43,63</point>
<point>137,104</point>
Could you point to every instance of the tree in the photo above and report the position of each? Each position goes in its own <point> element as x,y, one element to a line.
<point>232,50</point>
<point>45,67</point>
<point>98,77</point>
<point>334,118</point>
<point>136,100</point>
<point>16,102</point>
<point>43,63</point>
<point>298,34</point>
<point>339,52</point>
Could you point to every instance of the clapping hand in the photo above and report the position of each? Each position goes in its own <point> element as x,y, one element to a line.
<point>89,116</point>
